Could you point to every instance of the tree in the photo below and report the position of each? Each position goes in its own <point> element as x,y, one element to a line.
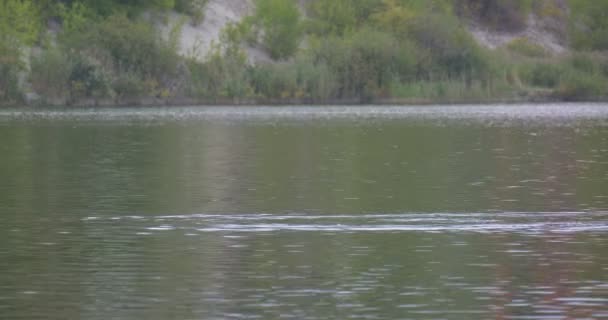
<point>590,31</point>
<point>279,21</point>
<point>19,27</point>
<point>19,23</point>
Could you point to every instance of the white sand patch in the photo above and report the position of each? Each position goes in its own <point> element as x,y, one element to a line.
<point>196,41</point>
<point>535,33</point>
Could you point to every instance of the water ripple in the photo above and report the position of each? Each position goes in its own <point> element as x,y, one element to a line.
<point>515,222</point>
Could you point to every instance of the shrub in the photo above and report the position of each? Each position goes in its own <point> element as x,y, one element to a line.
<point>194,8</point>
<point>546,75</point>
<point>524,47</point>
<point>136,47</point>
<point>274,80</point>
<point>582,62</point>
<point>133,8</point>
<point>128,86</point>
<point>50,73</point>
<point>589,25</point>
<point>334,17</point>
<point>19,27</point>
<point>365,62</point>
<point>222,75</point>
<point>87,79</point>
<point>504,15</point>
<point>19,23</point>
<point>279,21</point>
<point>10,66</point>
<point>449,50</point>
<point>578,85</point>
<point>316,80</point>
<point>301,79</point>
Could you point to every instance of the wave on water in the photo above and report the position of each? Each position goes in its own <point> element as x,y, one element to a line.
<point>515,222</point>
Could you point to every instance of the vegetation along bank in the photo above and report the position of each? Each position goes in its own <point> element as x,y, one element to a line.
<point>156,52</point>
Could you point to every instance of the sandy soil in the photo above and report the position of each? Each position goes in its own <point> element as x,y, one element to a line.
<point>196,40</point>
<point>535,33</point>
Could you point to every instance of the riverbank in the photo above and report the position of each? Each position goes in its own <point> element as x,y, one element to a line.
<point>184,101</point>
<point>302,52</point>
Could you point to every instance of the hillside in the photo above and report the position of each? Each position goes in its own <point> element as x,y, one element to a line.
<point>301,51</point>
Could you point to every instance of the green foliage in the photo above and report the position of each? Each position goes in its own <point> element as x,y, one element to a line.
<point>128,86</point>
<point>577,85</point>
<point>302,80</point>
<point>116,56</point>
<point>442,90</point>
<point>106,8</point>
<point>223,75</point>
<point>524,47</point>
<point>87,79</point>
<point>332,17</point>
<point>78,22</point>
<point>272,80</point>
<point>546,75</point>
<point>316,82</point>
<point>583,62</point>
<point>75,17</point>
<point>589,28</point>
<point>135,46</point>
<point>584,77</point>
<point>505,15</point>
<point>50,73</point>
<point>19,27</point>
<point>576,77</point>
<point>365,62</point>
<point>10,66</point>
<point>279,23</point>
<point>450,51</point>
<point>394,17</point>
<point>19,23</point>
<point>364,49</point>
<point>193,8</point>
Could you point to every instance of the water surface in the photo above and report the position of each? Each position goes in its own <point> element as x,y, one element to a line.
<point>447,212</point>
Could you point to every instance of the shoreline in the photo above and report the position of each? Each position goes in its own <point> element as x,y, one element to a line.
<point>225,102</point>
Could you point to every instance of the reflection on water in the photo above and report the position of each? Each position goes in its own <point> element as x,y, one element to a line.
<point>305,213</point>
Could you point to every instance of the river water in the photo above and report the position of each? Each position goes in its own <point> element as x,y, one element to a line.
<point>446,212</point>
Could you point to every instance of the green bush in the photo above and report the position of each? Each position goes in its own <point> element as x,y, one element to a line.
<point>10,66</point>
<point>583,62</point>
<point>302,80</point>
<point>526,48</point>
<point>546,75</point>
<point>274,80</point>
<point>603,66</point>
<point>589,25</point>
<point>20,23</point>
<point>222,75</point>
<point>279,21</point>
<point>317,81</point>
<point>87,79</point>
<point>194,8</point>
<point>504,15</point>
<point>449,50</point>
<point>59,75</point>
<point>50,73</point>
<point>335,17</point>
<point>576,86</point>
<point>128,86</point>
<point>135,46</point>
<point>365,62</point>
<point>133,8</point>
